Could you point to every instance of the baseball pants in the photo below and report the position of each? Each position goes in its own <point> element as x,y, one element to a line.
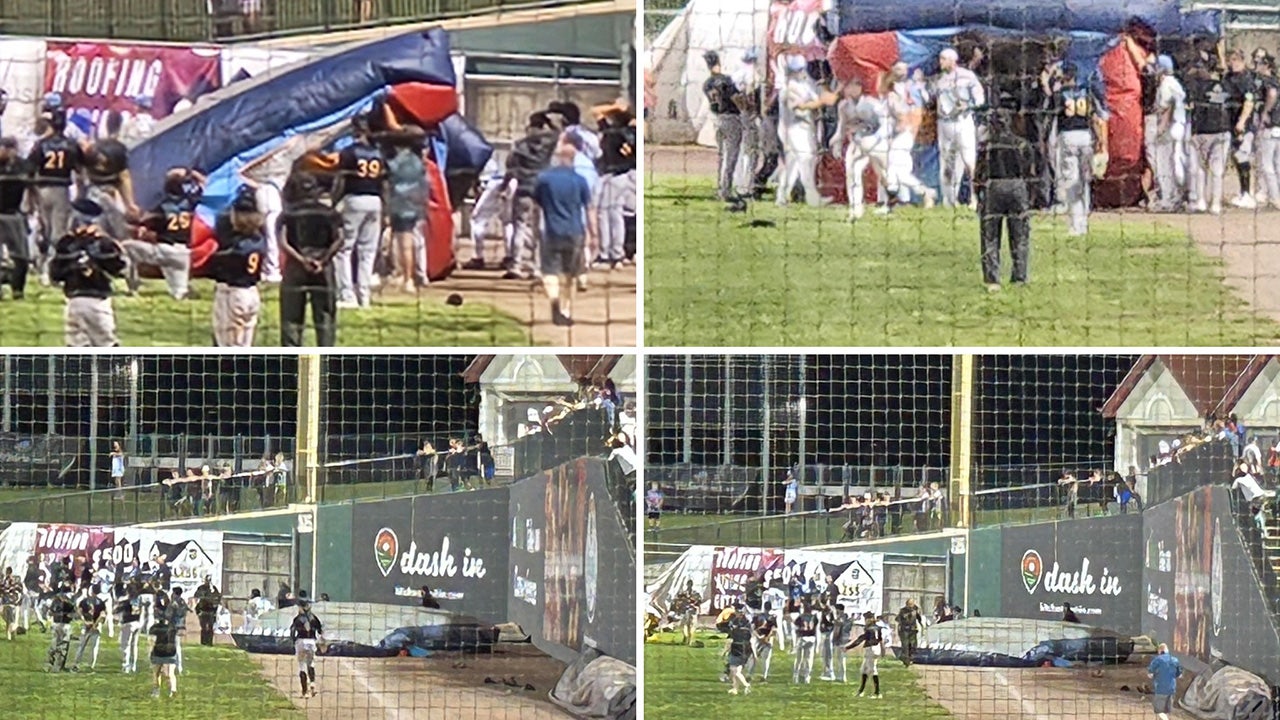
<point>1269,160</point>
<point>615,192</point>
<point>958,153</point>
<point>88,638</point>
<point>59,646</point>
<point>1075,178</point>
<point>860,152</point>
<point>1170,166</point>
<point>174,262</point>
<point>749,155</point>
<point>89,322</point>
<point>803,663</point>
<point>488,208</point>
<point>235,315</point>
<point>1208,167</point>
<point>129,633</point>
<point>361,236</point>
<point>525,231</point>
<point>729,146</point>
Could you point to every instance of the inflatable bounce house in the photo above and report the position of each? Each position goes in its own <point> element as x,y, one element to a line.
<point>257,129</point>
<point>873,35</point>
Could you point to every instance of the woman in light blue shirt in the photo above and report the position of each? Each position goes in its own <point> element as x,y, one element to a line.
<point>117,468</point>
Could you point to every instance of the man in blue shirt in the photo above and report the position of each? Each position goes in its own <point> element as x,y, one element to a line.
<point>1164,672</point>
<point>564,197</point>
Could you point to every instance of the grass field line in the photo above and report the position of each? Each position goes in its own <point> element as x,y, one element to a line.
<point>1028,708</point>
<point>374,695</point>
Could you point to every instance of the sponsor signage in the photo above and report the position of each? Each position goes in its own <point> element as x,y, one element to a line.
<point>454,543</point>
<point>732,568</point>
<point>1095,565</point>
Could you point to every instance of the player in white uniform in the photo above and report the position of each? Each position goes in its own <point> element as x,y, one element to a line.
<point>797,129</point>
<point>305,632</point>
<point>959,93</point>
<point>901,180</point>
<point>862,137</point>
<point>748,82</point>
<point>494,199</point>
<point>1171,135</point>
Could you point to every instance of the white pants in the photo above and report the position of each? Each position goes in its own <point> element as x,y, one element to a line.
<point>177,643</point>
<point>799,164</point>
<point>869,665</point>
<point>1075,178</point>
<point>958,152</point>
<point>88,638</point>
<point>748,156</point>
<point>110,614</point>
<point>304,649</point>
<point>129,647</point>
<point>824,640</point>
<point>803,664</point>
<point>860,152</point>
<point>235,315</point>
<point>272,205</point>
<point>1170,165</point>
<point>761,660</point>
<point>30,604</point>
<point>901,178</point>
<point>1208,166</point>
<point>1269,159</point>
<point>489,207</point>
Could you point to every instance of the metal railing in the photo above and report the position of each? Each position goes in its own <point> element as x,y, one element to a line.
<point>220,20</point>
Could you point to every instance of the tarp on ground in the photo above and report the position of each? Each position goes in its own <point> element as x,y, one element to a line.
<point>1228,694</point>
<point>1013,642</point>
<point>250,113</point>
<point>597,686</point>
<point>1103,16</point>
<point>372,630</point>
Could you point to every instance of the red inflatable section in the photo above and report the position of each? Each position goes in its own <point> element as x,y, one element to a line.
<point>865,56</point>
<point>203,246</point>
<point>425,104</point>
<point>1122,186</point>
<point>439,241</point>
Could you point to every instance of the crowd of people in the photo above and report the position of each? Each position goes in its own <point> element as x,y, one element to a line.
<point>810,618</point>
<point>68,213</point>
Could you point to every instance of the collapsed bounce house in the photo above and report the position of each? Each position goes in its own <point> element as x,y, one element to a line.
<point>872,35</point>
<point>258,128</point>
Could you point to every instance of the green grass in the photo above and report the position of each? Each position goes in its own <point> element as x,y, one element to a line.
<point>217,682</point>
<point>781,531</point>
<point>683,682</point>
<point>812,279</point>
<point>153,318</point>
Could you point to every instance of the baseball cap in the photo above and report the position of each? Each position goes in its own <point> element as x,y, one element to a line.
<point>711,58</point>
<point>1164,63</point>
<point>796,63</point>
<point>949,54</point>
<point>751,55</point>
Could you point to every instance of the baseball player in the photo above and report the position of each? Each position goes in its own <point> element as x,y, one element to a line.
<point>686,607</point>
<point>617,184</point>
<point>15,192</point>
<point>56,159</point>
<point>862,138</point>
<point>723,98</point>
<point>168,233</point>
<point>905,116</point>
<point>872,642</point>
<point>959,93</point>
<point>237,268</point>
<point>92,612</point>
<point>1170,149</point>
<point>164,652</point>
<point>357,195</point>
<point>763,628</point>
<point>84,262</point>
<point>61,611</point>
<point>495,192</point>
<point>528,158</point>
<point>127,607</point>
<point>1082,147</point>
<point>1269,130</point>
<point>10,600</point>
<point>806,624</point>
<point>797,129</point>
<point>33,584</point>
<point>305,631</point>
<point>746,80</point>
<point>739,652</point>
<point>1215,114</point>
<point>106,168</point>
<point>1245,83</point>
<point>311,235</point>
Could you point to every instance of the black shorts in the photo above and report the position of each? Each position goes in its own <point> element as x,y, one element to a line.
<point>653,514</point>
<point>404,224</point>
<point>562,257</point>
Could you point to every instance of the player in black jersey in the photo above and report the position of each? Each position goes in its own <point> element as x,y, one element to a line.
<point>357,194</point>
<point>311,236</point>
<point>237,268</point>
<point>723,97</point>
<point>61,611</point>
<point>106,170</point>
<point>1269,131</point>
<point>84,262</point>
<point>1082,146</point>
<point>1215,106</point>
<point>1245,86</point>
<point>15,191</point>
<point>167,233</point>
<point>305,632</point>
<point>92,613</point>
<point>55,161</point>
<point>10,599</point>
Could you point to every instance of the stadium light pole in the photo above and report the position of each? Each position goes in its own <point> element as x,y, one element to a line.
<point>962,367</point>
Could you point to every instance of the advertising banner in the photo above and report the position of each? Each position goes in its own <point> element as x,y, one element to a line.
<point>528,523</point>
<point>453,543</point>
<point>733,567</point>
<point>793,31</point>
<point>93,78</point>
<point>1093,564</point>
<point>859,576</point>
<point>1203,596</point>
<point>190,554</point>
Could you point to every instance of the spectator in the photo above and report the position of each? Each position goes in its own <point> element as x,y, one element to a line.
<point>853,524</point>
<point>1072,489</point>
<point>1252,456</point>
<point>653,506</point>
<point>428,461</point>
<point>1069,615</point>
<point>880,513</point>
<point>941,611</point>
<point>428,601</point>
<point>564,197</point>
<point>791,492</point>
<point>1123,493</point>
<point>408,195</point>
<point>940,508</point>
<point>1164,672</point>
<point>1248,484</point>
<point>925,501</point>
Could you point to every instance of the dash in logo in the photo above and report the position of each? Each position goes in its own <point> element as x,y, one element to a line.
<point>1032,568</point>
<point>385,548</point>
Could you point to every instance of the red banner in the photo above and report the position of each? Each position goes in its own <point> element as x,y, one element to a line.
<point>792,30</point>
<point>56,541</point>
<point>93,78</point>
<point>733,567</point>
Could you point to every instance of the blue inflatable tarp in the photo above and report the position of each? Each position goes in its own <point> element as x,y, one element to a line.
<point>251,113</point>
<point>1101,16</point>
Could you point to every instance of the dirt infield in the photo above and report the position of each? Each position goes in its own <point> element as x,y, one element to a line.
<point>410,688</point>
<point>1039,694</point>
<point>1247,241</point>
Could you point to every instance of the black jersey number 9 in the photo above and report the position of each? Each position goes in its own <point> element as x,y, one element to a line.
<point>369,168</point>
<point>253,262</point>
<point>179,222</point>
<point>55,160</point>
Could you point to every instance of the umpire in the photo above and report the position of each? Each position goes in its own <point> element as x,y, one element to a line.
<point>1004,168</point>
<point>311,234</point>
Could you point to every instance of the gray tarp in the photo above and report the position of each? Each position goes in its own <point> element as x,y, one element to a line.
<point>597,686</point>
<point>1217,696</point>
